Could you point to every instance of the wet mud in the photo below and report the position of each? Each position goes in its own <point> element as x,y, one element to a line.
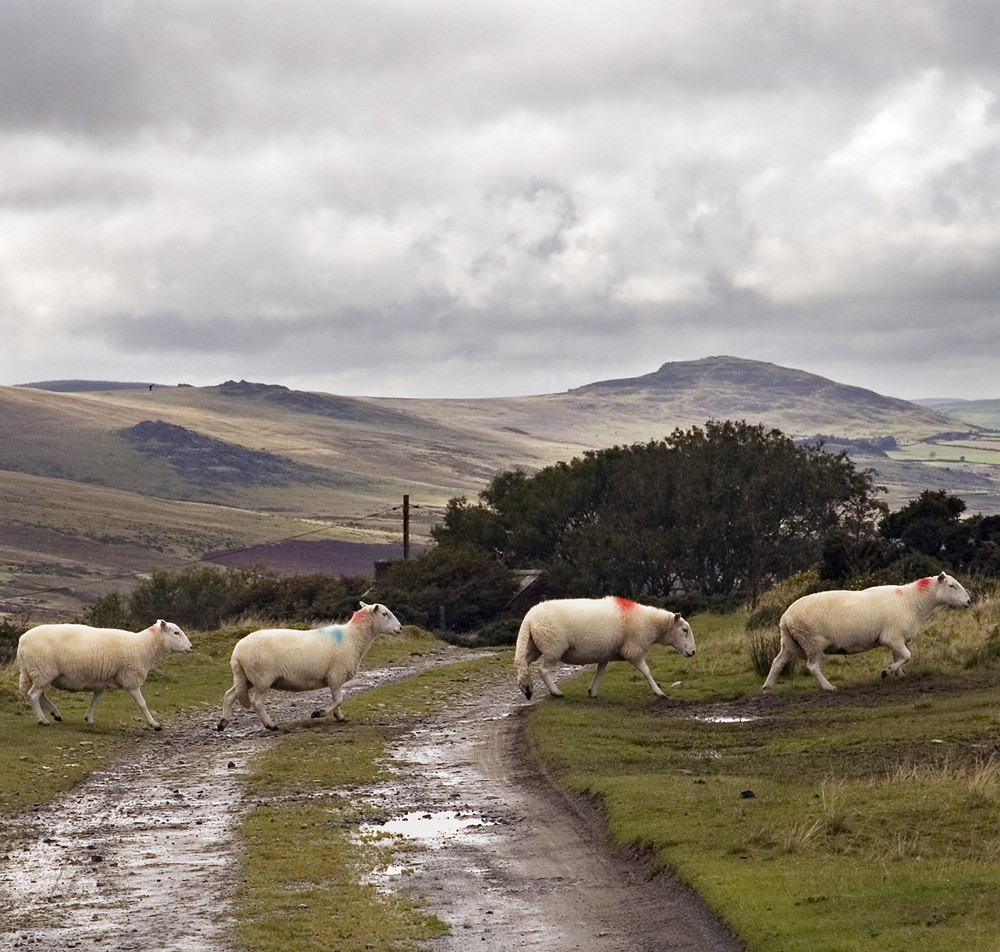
<point>142,855</point>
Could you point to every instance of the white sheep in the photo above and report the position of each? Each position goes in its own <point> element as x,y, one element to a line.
<point>288,659</point>
<point>849,622</point>
<point>601,630</point>
<point>82,658</point>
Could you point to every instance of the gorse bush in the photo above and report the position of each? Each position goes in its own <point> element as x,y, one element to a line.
<point>10,631</point>
<point>457,588</point>
<point>206,597</point>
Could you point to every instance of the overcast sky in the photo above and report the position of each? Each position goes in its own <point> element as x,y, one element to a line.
<point>496,197</point>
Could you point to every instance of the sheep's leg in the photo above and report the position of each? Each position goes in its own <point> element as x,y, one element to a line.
<point>257,696</point>
<point>89,716</point>
<point>780,660</point>
<point>643,669</point>
<point>34,696</point>
<point>812,666</point>
<point>337,695</point>
<point>228,699</point>
<point>546,676</point>
<point>140,700</point>
<point>50,707</point>
<point>900,655</point>
<point>598,674</point>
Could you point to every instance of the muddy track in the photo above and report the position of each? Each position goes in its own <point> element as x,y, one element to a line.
<point>141,855</point>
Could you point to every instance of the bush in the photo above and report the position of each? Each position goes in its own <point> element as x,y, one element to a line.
<point>10,632</point>
<point>763,650</point>
<point>502,632</point>
<point>767,616</point>
<point>206,597</point>
<point>458,588</point>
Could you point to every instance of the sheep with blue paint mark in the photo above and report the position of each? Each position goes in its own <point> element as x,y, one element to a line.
<point>287,659</point>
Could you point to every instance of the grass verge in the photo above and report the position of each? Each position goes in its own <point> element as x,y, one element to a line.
<point>310,878</point>
<point>860,820</point>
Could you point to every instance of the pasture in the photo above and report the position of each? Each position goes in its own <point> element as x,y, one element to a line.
<point>866,818</point>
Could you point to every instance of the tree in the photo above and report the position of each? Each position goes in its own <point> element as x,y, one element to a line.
<point>925,523</point>
<point>725,508</point>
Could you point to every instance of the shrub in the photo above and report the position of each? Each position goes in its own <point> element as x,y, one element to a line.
<point>763,650</point>
<point>456,587</point>
<point>206,597</point>
<point>503,631</point>
<point>10,631</point>
<point>767,616</point>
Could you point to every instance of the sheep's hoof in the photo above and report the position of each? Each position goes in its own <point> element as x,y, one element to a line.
<point>527,693</point>
<point>156,727</point>
<point>222,725</point>
<point>317,714</point>
<point>885,672</point>
<point>57,717</point>
<point>271,727</point>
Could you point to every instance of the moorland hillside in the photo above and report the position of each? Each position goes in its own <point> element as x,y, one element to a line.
<point>100,484</point>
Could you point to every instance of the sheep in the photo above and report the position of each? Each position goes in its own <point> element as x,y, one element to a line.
<point>849,622</point>
<point>289,659</point>
<point>601,630</point>
<point>82,658</point>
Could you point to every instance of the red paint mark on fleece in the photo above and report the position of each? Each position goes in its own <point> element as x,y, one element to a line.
<point>924,582</point>
<point>360,614</point>
<point>625,606</point>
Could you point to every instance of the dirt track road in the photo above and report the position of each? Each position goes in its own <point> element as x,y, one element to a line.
<point>141,856</point>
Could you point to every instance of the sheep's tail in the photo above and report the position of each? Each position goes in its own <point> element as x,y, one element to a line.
<point>241,684</point>
<point>24,682</point>
<point>521,658</point>
<point>789,638</point>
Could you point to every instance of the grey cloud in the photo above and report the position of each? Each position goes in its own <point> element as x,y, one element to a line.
<point>513,185</point>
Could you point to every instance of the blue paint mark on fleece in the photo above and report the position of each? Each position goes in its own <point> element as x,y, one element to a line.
<point>332,631</point>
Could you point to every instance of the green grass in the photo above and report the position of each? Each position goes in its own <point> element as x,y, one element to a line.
<point>309,876</point>
<point>874,819</point>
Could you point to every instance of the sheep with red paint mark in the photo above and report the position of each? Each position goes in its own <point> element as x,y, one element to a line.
<point>849,622</point>
<point>595,630</point>
<point>289,659</point>
<point>83,658</point>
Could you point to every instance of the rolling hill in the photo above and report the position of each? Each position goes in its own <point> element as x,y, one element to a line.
<point>100,484</point>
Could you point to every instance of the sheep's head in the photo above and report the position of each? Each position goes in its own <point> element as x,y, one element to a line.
<point>951,592</point>
<point>680,636</point>
<point>173,638</point>
<point>383,620</point>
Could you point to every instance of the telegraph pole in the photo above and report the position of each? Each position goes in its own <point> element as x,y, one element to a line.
<point>406,527</point>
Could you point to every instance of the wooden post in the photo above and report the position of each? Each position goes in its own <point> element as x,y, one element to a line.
<point>406,527</point>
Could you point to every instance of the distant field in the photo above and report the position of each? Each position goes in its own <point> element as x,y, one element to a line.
<point>958,451</point>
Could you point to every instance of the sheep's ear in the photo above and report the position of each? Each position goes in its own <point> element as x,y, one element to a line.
<point>160,623</point>
<point>942,577</point>
<point>365,605</point>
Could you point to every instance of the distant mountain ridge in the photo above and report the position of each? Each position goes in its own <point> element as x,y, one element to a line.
<point>136,477</point>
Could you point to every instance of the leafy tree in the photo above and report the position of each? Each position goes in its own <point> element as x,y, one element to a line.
<point>724,508</point>
<point>925,523</point>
